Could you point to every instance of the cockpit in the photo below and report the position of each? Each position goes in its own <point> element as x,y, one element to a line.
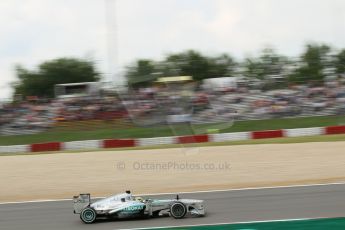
<point>120,197</point>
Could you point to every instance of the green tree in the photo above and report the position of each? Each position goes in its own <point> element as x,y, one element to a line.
<point>41,82</point>
<point>272,63</point>
<point>141,73</point>
<point>269,63</point>
<point>193,63</point>
<point>252,68</point>
<point>221,66</point>
<point>340,62</point>
<point>190,63</point>
<point>314,60</point>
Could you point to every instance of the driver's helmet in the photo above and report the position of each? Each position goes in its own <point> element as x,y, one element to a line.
<point>128,195</point>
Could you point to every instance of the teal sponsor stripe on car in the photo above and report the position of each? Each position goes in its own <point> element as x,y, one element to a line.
<point>133,208</point>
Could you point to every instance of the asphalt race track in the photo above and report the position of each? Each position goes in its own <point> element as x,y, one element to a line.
<point>222,207</point>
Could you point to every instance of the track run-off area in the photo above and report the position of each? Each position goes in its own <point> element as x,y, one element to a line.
<point>227,206</point>
<point>258,184</point>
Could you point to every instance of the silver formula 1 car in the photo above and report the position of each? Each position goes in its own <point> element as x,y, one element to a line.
<point>122,206</point>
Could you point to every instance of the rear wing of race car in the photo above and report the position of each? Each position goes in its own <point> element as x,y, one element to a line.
<point>80,202</point>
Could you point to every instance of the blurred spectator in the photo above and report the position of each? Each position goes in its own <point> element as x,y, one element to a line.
<point>153,104</point>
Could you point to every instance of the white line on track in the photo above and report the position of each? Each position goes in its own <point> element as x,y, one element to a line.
<point>202,191</point>
<point>246,222</point>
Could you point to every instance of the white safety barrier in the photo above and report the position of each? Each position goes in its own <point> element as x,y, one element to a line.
<point>15,149</point>
<point>117,143</point>
<point>304,132</point>
<point>88,144</point>
<point>156,141</point>
<point>220,137</point>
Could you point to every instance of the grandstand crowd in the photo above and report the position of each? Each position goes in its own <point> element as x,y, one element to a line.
<point>203,106</point>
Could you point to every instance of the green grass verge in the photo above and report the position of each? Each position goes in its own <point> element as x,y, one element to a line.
<point>313,224</point>
<point>158,131</point>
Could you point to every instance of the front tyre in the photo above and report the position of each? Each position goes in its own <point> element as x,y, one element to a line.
<point>88,215</point>
<point>178,210</point>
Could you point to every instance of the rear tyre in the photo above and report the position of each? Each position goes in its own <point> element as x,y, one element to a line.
<point>88,215</point>
<point>178,210</point>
